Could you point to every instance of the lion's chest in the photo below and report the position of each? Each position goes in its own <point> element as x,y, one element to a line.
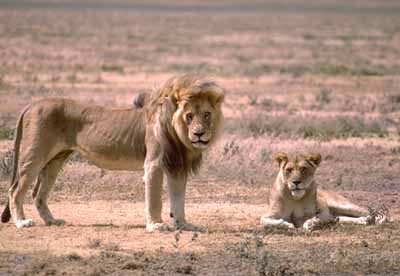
<point>302,213</point>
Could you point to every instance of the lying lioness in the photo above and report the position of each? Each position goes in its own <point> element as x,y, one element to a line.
<point>295,201</point>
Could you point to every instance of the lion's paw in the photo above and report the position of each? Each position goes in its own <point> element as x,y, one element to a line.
<point>24,223</point>
<point>57,222</point>
<point>157,226</point>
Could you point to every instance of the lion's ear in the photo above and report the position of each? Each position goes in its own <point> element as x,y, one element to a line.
<point>315,159</point>
<point>170,103</point>
<point>216,98</point>
<point>281,157</point>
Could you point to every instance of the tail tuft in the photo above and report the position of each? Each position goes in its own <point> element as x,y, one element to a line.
<point>140,100</point>
<point>6,215</point>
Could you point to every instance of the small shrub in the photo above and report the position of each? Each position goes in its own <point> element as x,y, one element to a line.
<point>94,243</point>
<point>308,36</point>
<point>253,100</point>
<point>73,257</point>
<point>324,96</point>
<point>112,68</point>
<point>72,78</point>
<point>6,133</point>
<point>265,155</point>
<point>231,148</point>
<point>295,70</point>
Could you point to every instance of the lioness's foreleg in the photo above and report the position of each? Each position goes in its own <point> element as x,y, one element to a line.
<point>46,180</point>
<point>267,221</point>
<point>177,191</point>
<point>153,178</point>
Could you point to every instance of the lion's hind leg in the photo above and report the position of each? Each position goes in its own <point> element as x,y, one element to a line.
<point>353,220</point>
<point>45,183</point>
<point>17,194</point>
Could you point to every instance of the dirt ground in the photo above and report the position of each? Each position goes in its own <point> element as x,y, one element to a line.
<point>303,77</point>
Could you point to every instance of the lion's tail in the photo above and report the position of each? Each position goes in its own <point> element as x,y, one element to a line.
<point>6,215</point>
<point>140,100</point>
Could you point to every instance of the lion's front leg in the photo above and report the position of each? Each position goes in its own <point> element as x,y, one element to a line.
<point>271,222</point>
<point>153,178</point>
<point>177,190</point>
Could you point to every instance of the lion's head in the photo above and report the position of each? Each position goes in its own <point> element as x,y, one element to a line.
<point>188,117</point>
<point>297,172</point>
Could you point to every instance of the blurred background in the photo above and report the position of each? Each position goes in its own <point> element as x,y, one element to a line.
<point>301,76</point>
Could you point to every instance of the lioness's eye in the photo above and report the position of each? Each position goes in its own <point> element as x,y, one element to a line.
<point>289,170</point>
<point>207,115</point>
<point>189,117</point>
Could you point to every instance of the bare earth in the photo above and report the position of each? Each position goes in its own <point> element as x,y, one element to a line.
<point>308,77</point>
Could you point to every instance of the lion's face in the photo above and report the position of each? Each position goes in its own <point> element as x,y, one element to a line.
<point>298,172</point>
<point>197,122</point>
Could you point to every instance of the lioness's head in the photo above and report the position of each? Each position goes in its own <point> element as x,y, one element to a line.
<point>190,118</point>
<point>297,172</point>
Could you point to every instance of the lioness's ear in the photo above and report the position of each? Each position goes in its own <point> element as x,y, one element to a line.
<point>281,157</point>
<point>314,159</point>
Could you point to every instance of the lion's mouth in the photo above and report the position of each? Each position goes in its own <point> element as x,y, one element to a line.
<point>297,189</point>
<point>200,143</point>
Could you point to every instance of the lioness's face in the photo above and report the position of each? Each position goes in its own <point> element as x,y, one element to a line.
<point>199,122</point>
<point>298,172</point>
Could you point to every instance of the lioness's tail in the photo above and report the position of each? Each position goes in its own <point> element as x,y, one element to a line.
<point>6,215</point>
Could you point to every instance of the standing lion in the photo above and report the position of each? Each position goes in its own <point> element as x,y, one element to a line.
<point>178,122</point>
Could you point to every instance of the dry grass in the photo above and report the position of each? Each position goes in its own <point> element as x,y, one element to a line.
<point>318,78</point>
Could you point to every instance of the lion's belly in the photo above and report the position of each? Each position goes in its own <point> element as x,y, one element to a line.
<point>112,160</point>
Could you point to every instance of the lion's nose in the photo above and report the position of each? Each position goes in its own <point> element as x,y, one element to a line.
<point>296,182</point>
<point>199,133</point>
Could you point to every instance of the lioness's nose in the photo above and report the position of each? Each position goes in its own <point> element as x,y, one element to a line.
<point>199,133</point>
<point>296,182</point>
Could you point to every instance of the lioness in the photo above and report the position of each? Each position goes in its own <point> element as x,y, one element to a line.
<point>294,200</point>
<point>177,123</point>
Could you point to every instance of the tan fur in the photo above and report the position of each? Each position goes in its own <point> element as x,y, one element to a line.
<point>295,200</point>
<point>157,135</point>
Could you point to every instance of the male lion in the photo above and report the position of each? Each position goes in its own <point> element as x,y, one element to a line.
<point>178,122</point>
<point>295,201</point>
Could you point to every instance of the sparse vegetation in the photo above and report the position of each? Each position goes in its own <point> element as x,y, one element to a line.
<point>324,82</point>
<point>308,127</point>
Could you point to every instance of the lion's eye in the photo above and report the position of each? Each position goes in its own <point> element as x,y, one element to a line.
<point>207,115</point>
<point>289,170</point>
<point>303,169</point>
<point>189,117</point>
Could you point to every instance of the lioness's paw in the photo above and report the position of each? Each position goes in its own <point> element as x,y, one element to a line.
<point>190,227</point>
<point>312,224</point>
<point>57,222</point>
<point>158,226</point>
<point>24,223</point>
<point>276,223</point>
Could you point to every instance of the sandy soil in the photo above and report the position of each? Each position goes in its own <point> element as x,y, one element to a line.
<point>308,77</point>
